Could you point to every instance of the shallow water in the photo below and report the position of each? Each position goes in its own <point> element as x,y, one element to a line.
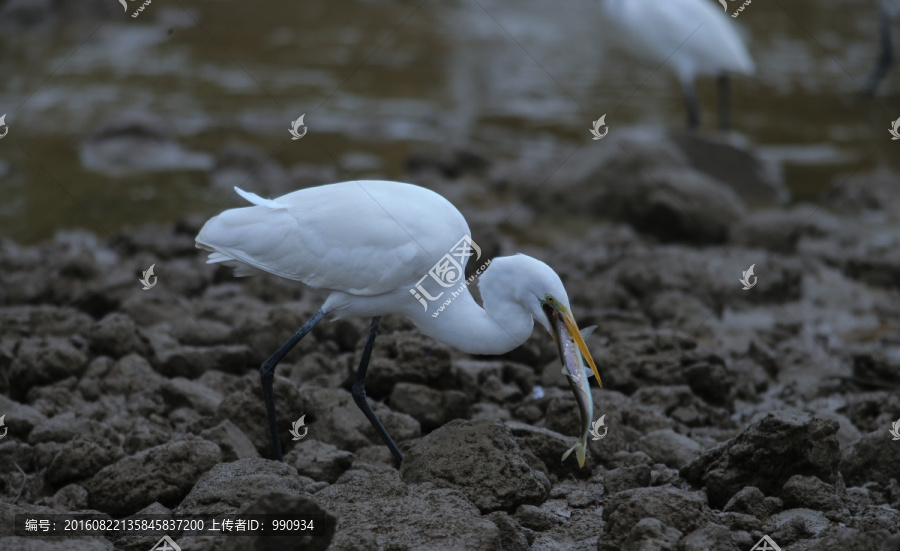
<point>379,78</point>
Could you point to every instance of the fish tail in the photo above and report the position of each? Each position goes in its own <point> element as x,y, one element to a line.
<point>579,448</point>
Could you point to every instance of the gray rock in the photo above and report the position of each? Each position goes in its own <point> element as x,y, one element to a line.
<point>165,473</point>
<point>780,230</point>
<point>180,392</point>
<point>246,409</point>
<point>83,456</point>
<point>487,465</point>
<point>431,408</point>
<point>626,478</point>
<point>231,440</point>
<point>709,536</point>
<point>648,534</point>
<point>766,455</point>
<point>13,452</point>
<point>59,321</point>
<point>668,447</point>
<point>750,500</point>
<point>732,161</point>
<point>511,534</point>
<point>791,525</point>
<point>874,458</point>
<point>334,418</point>
<point>842,538</point>
<point>685,511</point>
<point>679,205</point>
<point>66,426</point>
<point>549,446</point>
<point>376,510</point>
<point>20,418</point>
<point>31,543</point>
<point>877,518</point>
<point>131,375</point>
<point>407,357</point>
<point>811,493</point>
<point>535,518</point>
<point>194,361</point>
<point>579,531</point>
<point>44,360</point>
<point>116,335</point>
<point>319,461</point>
<point>70,498</point>
<point>231,487</point>
<point>275,503</point>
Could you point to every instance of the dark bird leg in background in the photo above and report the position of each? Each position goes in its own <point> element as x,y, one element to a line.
<point>724,103</point>
<point>359,392</point>
<point>693,106</point>
<point>267,377</point>
<point>885,56</point>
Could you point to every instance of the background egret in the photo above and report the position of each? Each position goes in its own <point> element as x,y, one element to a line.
<point>366,245</point>
<point>887,11</point>
<point>689,37</point>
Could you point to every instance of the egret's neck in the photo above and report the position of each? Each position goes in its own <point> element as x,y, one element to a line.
<point>468,327</point>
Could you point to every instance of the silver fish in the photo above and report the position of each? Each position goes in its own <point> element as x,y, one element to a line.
<point>573,352</point>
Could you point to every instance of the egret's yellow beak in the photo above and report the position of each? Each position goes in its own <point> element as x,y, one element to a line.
<point>557,313</point>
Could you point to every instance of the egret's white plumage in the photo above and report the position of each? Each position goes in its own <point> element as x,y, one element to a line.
<point>688,37</point>
<point>366,245</point>
<point>692,37</point>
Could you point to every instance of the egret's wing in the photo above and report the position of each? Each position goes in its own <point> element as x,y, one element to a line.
<point>692,36</point>
<point>364,238</point>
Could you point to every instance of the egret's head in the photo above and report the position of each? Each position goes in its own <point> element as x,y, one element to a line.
<point>534,285</point>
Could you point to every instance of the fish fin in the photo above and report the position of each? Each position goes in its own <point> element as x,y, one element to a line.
<point>586,332</point>
<point>579,448</point>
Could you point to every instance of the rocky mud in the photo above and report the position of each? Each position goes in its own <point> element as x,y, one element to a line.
<point>732,413</point>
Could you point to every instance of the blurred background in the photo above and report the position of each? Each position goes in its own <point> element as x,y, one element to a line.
<point>115,121</point>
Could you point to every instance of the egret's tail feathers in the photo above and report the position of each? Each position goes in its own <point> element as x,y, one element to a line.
<point>240,268</point>
<point>579,448</point>
<point>257,200</point>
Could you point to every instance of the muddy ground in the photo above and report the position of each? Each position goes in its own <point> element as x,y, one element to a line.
<point>732,413</point>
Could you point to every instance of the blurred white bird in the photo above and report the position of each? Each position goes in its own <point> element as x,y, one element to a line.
<point>366,246</point>
<point>887,10</point>
<point>690,37</point>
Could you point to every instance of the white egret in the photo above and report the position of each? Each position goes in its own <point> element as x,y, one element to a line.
<point>887,10</point>
<point>369,247</point>
<point>690,37</point>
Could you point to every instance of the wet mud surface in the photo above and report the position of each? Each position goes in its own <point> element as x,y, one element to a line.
<point>732,413</point>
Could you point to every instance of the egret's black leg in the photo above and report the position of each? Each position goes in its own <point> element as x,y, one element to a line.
<point>267,376</point>
<point>359,392</point>
<point>693,106</point>
<point>724,103</point>
<point>885,56</point>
